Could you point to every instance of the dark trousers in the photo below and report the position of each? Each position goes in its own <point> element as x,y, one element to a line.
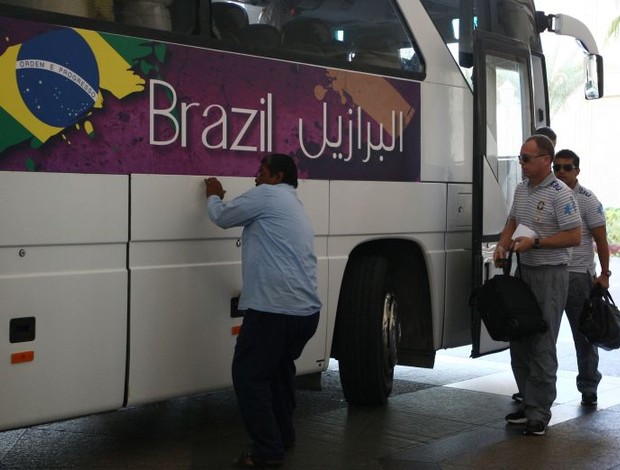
<point>579,286</point>
<point>534,359</point>
<point>263,372</point>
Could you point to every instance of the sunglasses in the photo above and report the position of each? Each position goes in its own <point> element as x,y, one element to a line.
<point>527,158</point>
<point>565,167</point>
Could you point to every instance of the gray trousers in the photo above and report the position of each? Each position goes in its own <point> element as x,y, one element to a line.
<point>579,288</point>
<point>534,359</point>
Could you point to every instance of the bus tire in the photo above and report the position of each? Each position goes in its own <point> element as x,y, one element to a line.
<point>367,331</point>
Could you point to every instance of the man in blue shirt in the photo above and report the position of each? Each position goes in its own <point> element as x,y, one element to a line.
<point>280,300</point>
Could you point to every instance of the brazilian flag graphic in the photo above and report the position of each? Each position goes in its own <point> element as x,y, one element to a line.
<point>54,80</point>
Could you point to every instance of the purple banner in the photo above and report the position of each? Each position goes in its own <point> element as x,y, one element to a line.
<point>85,102</point>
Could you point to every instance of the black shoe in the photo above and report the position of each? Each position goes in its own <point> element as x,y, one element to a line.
<point>589,399</point>
<point>535,428</point>
<point>247,460</point>
<point>518,397</point>
<point>518,417</point>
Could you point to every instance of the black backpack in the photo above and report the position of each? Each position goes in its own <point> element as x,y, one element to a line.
<point>508,306</point>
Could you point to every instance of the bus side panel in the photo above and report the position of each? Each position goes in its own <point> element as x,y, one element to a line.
<point>185,272</point>
<point>181,338</point>
<point>63,295</point>
<point>314,195</point>
<point>447,144</point>
<point>457,324</point>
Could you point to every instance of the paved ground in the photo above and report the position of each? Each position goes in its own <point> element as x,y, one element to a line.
<point>450,417</point>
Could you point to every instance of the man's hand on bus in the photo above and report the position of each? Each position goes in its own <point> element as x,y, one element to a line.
<point>214,188</point>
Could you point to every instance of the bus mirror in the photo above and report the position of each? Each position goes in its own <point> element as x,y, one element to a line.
<point>594,77</point>
<point>568,26</point>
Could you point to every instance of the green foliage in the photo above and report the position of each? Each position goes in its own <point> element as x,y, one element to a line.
<point>565,77</point>
<point>614,28</point>
<point>612,215</point>
<point>564,83</point>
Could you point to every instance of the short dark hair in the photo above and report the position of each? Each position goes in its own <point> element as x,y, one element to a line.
<point>279,162</point>
<point>566,153</point>
<point>547,131</point>
<point>544,144</point>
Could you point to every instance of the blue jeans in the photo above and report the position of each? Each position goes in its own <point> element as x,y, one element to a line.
<point>263,372</point>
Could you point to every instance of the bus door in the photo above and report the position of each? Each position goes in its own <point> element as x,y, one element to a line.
<point>504,100</point>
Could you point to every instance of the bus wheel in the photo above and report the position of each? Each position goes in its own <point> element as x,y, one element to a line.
<point>367,331</point>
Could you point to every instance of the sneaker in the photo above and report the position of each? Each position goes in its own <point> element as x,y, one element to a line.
<point>518,397</point>
<point>589,399</point>
<point>518,417</point>
<point>535,428</point>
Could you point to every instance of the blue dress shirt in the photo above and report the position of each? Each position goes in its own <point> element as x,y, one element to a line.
<point>278,260</point>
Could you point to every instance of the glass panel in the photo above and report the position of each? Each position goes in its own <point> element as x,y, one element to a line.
<point>593,88</point>
<point>449,18</point>
<point>539,91</point>
<point>508,119</point>
<point>516,19</point>
<point>168,15</point>
<point>366,35</point>
<point>362,34</point>
<point>456,19</point>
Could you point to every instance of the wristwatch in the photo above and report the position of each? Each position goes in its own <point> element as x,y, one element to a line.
<point>607,273</point>
<point>536,243</point>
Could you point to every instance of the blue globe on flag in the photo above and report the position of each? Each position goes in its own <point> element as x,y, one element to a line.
<point>57,77</point>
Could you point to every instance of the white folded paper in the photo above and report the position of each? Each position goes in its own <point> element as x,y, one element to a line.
<point>524,231</point>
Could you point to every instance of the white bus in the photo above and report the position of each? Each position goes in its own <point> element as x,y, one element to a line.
<point>404,116</point>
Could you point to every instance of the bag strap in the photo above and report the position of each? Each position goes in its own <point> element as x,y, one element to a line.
<point>607,295</point>
<point>599,291</point>
<point>518,270</point>
<point>508,264</point>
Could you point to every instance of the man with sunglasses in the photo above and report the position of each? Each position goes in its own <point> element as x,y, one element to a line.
<point>546,131</point>
<point>582,270</point>
<point>546,208</point>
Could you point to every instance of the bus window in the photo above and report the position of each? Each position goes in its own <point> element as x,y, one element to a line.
<point>74,7</point>
<point>166,15</point>
<point>364,35</point>
<point>149,14</point>
<point>228,20</point>
<point>448,18</point>
<point>514,19</point>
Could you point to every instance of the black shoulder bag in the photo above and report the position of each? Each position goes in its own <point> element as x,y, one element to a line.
<point>600,319</point>
<point>508,306</point>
